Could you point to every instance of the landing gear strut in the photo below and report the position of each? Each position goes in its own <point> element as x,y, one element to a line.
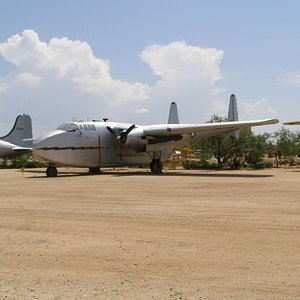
<point>51,171</point>
<point>156,166</point>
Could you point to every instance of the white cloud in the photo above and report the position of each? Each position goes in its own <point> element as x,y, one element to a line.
<point>27,79</point>
<point>56,80</point>
<point>180,62</point>
<point>64,60</point>
<point>259,109</point>
<point>141,111</point>
<point>188,76</point>
<point>3,88</point>
<point>292,79</point>
<point>220,107</point>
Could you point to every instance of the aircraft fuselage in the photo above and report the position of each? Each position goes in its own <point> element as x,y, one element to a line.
<point>91,145</point>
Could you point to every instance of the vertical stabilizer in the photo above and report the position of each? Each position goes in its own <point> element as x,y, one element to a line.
<point>21,130</point>
<point>173,114</point>
<point>233,115</point>
<point>233,111</point>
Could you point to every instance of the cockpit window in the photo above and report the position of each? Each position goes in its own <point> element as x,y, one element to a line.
<point>68,127</point>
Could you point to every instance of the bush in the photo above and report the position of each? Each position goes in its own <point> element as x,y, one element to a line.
<point>235,163</point>
<point>198,164</point>
<point>261,165</point>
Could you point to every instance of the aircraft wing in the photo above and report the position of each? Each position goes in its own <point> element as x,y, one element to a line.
<point>292,123</point>
<point>205,129</point>
<point>21,149</point>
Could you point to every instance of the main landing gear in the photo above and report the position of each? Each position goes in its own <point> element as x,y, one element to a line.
<point>156,166</point>
<point>51,171</point>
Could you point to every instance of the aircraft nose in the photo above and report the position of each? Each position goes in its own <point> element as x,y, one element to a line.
<point>46,141</point>
<point>44,145</point>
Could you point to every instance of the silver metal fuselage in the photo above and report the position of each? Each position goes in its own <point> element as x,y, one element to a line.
<point>90,144</point>
<point>6,149</point>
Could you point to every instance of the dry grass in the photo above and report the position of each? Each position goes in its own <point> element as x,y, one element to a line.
<point>131,235</point>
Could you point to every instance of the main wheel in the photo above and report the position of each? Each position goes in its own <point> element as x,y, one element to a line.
<point>94,170</point>
<point>51,171</point>
<point>156,166</point>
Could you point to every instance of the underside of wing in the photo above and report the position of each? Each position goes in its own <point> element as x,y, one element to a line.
<point>292,123</point>
<point>19,150</point>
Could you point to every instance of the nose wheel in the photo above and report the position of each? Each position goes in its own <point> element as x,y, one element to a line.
<point>94,171</point>
<point>51,171</point>
<point>156,166</point>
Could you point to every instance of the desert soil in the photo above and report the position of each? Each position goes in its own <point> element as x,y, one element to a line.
<point>127,234</point>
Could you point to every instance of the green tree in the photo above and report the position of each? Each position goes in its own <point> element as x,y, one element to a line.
<point>248,150</point>
<point>257,150</point>
<point>216,146</point>
<point>286,146</point>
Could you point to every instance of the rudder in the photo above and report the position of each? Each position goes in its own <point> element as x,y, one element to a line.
<point>173,114</point>
<point>233,115</point>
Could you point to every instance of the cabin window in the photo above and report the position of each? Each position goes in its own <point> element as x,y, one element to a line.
<point>75,126</point>
<point>91,127</point>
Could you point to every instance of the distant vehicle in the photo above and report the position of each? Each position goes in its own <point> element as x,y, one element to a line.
<point>108,144</point>
<point>19,140</point>
<point>198,152</point>
<point>292,123</point>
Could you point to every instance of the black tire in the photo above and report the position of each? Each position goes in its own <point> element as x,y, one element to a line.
<point>94,170</point>
<point>51,171</point>
<point>156,166</point>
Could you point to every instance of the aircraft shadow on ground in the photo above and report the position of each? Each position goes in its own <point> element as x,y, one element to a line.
<point>185,174</point>
<point>115,173</point>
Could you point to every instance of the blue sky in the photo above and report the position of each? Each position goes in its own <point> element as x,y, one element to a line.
<point>144,52</point>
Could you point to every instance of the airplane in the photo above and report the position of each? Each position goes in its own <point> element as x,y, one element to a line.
<point>19,140</point>
<point>98,144</point>
<point>292,123</point>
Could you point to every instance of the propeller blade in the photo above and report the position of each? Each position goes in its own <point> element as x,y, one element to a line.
<point>123,135</point>
<point>112,131</point>
<point>128,130</point>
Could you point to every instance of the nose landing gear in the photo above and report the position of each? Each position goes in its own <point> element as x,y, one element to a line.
<point>51,171</point>
<point>94,171</point>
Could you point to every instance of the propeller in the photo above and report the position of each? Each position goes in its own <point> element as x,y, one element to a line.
<point>121,137</point>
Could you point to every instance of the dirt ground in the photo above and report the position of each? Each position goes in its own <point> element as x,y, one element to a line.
<point>127,234</point>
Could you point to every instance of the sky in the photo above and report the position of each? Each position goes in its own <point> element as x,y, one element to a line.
<point>64,60</point>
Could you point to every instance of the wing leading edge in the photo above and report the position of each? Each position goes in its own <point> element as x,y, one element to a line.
<point>205,129</point>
